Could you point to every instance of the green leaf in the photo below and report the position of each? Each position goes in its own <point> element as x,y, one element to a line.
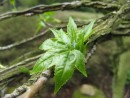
<point>40,25</point>
<point>64,70</point>
<point>66,52</point>
<point>44,19</point>
<point>56,33</point>
<point>60,35</point>
<point>72,29</point>
<point>49,59</point>
<point>43,63</point>
<point>80,41</point>
<point>13,3</point>
<point>48,16</point>
<point>80,61</point>
<point>64,37</point>
<point>88,30</point>
<point>50,44</point>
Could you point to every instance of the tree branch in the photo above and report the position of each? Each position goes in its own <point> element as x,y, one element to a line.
<point>29,91</point>
<point>14,69</point>
<point>61,6</point>
<point>23,41</point>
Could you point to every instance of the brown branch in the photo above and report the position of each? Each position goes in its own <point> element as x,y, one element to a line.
<point>61,6</point>
<point>14,69</point>
<point>91,51</point>
<point>29,91</point>
<point>23,41</point>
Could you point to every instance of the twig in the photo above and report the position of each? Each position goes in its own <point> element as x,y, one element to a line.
<point>14,69</point>
<point>29,91</point>
<point>23,41</point>
<point>61,6</point>
<point>91,52</point>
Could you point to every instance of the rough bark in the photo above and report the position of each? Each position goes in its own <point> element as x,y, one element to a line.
<point>61,6</point>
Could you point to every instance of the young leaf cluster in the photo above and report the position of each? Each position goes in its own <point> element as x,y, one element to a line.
<point>66,52</point>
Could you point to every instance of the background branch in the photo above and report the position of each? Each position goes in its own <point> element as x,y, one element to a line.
<point>23,41</point>
<point>14,69</point>
<point>61,6</point>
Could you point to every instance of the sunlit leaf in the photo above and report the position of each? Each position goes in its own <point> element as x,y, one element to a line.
<point>50,44</point>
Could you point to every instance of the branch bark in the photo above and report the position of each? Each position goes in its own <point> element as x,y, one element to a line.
<point>29,91</point>
<point>23,41</point>
<point>61,6</point>
<point>14,69</point>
